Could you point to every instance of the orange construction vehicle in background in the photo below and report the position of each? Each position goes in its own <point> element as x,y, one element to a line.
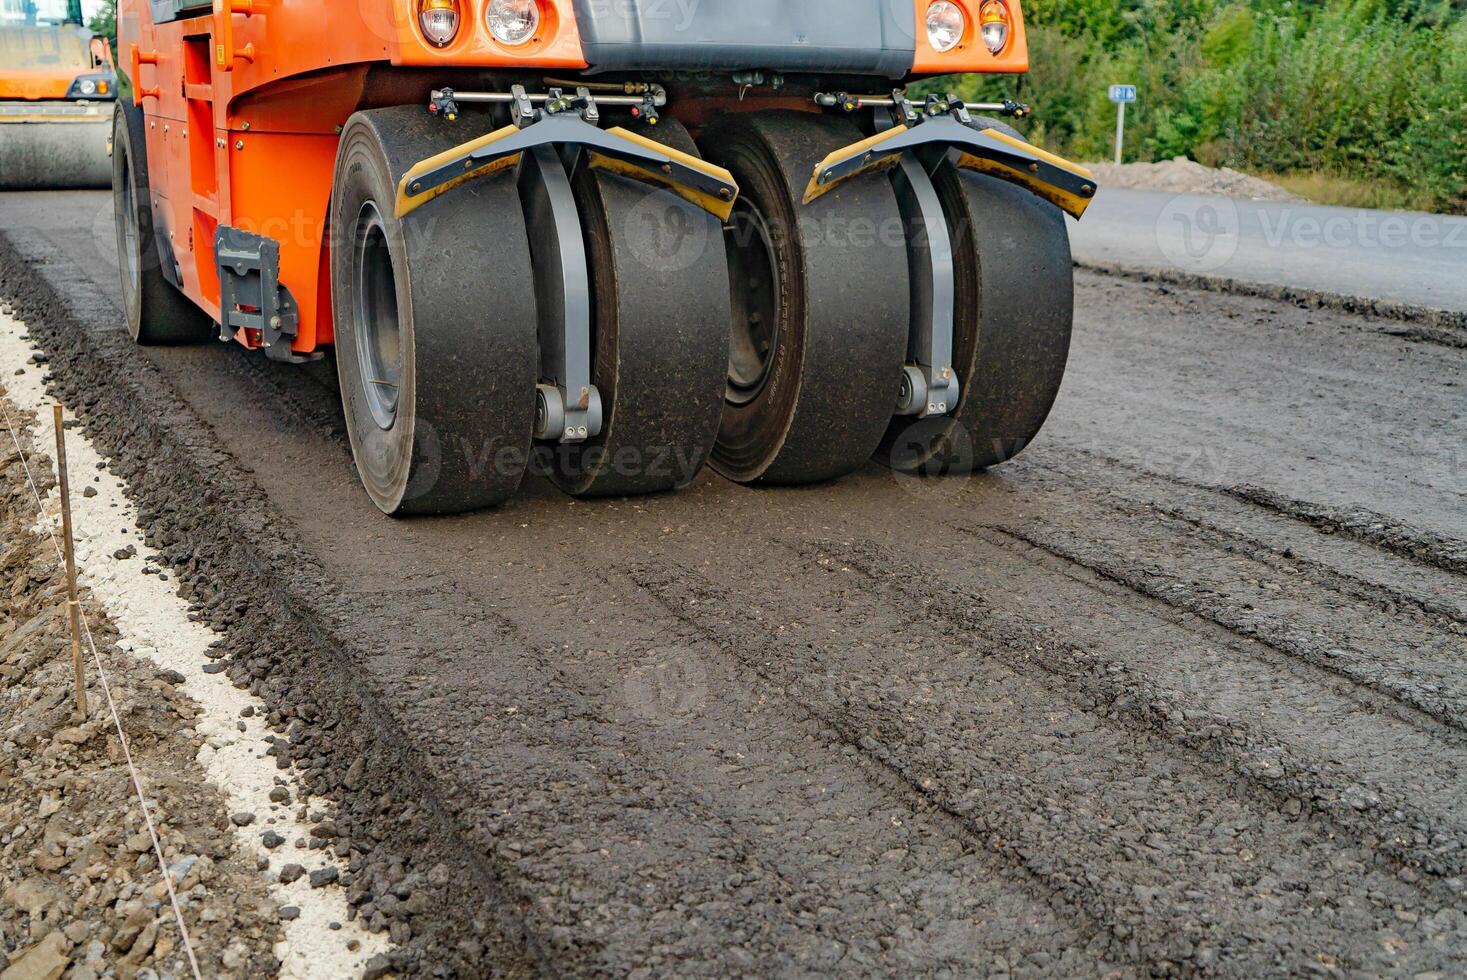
<point>613,240</point>
<point>57,85</point>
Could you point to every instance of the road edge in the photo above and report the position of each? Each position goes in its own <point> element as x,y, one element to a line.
<point>1409,313</point>
<point>240,557</point>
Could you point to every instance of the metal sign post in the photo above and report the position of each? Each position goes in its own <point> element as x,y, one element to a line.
<point>1122,96</point>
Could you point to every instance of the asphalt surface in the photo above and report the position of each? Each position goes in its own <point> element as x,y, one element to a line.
<point>1180,691</point>
<point>1393,256</point>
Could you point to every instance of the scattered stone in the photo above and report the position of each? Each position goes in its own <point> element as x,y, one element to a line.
<point>272,840</point>
<point>279,794</point>
<point>291,873</point>
<point>242,819</point>
<point>46,960</point>
<point>325,876</point>
<point>290,913</point>
<point>217,667</point>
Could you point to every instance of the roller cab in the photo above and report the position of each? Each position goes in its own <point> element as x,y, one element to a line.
<point>605,245</point>
<point>57,87</point>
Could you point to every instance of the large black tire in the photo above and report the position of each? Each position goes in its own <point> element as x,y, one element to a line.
<point>153,308</point>
<point>1014,308</point>
<point>435,322</point>
<point>814,380</point>
<point>659,277</point>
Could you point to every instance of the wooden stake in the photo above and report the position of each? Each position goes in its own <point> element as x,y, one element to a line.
<point>72,604</point>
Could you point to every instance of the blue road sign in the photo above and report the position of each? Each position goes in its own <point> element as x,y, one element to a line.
<point>1123,93</point>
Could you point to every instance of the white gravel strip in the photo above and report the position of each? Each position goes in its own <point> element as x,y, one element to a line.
<point>153,621</point>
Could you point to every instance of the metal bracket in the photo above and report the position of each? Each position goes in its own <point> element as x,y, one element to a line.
<point>929,383</point>
<point>1068,186</point>
<point>568,407</point>
<point>551,135</point>
<point>709,187</point>
<point>251,296</point>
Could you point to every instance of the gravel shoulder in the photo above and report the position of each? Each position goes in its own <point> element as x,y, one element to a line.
<point>81,888</point>
<point>1183,176</point>
<point>1175,694</point>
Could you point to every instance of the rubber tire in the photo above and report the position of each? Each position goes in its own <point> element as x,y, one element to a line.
<point>1015,305</point>
<point>844,303</point>
<point>155,311</point>
<point>659,332</point>
<point>461,436</point>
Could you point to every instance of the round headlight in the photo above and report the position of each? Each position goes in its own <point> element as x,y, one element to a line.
<point>88,87</point>
<point>945,25</point>
<point>439,20</point>
<point>513,22</point>
<point>993,24</point>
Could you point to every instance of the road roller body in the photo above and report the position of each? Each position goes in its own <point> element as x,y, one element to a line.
<point>610,243</point>
<point>57,87</point>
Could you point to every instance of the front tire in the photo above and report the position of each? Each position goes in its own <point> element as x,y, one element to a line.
<point>820,303</point>
<point>156,312</point>
<point>435,323</point>
<point>1014,310</point>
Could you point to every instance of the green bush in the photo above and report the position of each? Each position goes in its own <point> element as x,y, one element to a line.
<point>1368,89</point>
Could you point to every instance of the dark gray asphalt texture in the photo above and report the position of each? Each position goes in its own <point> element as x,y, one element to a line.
<point>1182,691</point>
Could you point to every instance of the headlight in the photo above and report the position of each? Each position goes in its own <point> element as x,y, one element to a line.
<point>87,87</point>
<point>993,24</point>
<point>945,25</point>
<point>439,20</point>
<point>513,22</point>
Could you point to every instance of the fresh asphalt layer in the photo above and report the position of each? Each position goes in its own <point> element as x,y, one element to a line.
<point>1179,692</point>
<point>1392,256</point>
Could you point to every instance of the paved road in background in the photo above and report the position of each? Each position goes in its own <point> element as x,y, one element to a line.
<point>1179,692</point>
<point>1400,257</point>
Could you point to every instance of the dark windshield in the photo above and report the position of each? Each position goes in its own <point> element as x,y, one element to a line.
<point>45,47</point>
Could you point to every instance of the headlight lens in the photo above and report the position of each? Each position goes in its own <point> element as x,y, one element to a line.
<point>945,25</point>
<point>88,87</point>
<point>513,22</point>
<point>993,23</point>
<point>439,20</point>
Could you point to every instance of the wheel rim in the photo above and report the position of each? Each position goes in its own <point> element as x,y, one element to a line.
<point>754,282</point>
<point>130,250</point>
<point>376,317</point>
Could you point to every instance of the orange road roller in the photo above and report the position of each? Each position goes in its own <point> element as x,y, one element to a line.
<point>607,241</point>
<point>57,87</point>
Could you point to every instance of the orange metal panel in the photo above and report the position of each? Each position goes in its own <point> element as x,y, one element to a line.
<point>281,190</point>
<point>35,83</point>
<point>971,55</point>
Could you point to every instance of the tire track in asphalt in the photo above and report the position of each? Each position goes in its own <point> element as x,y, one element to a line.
<point>704,830</point>
<point>1152,842</point>
<point>1409,654</point>
<point>1298,739</point>
<point>1397,574</point>
<point>1445,552</point>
